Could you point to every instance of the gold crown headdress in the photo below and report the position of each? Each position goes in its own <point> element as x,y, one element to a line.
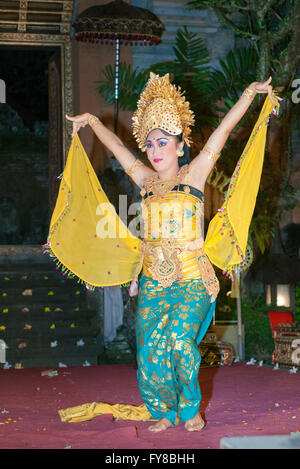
<point>162,106</point>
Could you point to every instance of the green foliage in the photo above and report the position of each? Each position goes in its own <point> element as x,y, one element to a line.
<point>259,342</point>
<point>191,58</point>
<point>255,20</point>
<point>237,71</point>
<point>261,230</point>
<point>225,306</point>
<point>131,84</point>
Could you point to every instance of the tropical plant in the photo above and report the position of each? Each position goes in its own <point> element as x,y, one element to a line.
<point>259,342</point>
<point>236,71</point>
<point>131,84</point>
<point>272,28</point>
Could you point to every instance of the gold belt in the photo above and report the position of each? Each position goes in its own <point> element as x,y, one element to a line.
<point>170,261</point>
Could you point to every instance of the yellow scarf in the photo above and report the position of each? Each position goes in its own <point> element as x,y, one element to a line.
<point>226,239</point>
<point>83,211</point>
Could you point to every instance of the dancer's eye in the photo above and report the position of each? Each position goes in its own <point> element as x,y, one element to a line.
<point>162,143</point>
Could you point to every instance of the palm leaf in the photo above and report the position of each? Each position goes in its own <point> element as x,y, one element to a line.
<point>190,70</point>
<point>236,72</point>
<point>190,51</point>
<point>131,83</point>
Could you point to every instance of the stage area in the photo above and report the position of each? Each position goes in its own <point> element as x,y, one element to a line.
<point>238,400</point>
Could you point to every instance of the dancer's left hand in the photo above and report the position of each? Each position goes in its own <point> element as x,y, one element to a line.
<point>264,87</point>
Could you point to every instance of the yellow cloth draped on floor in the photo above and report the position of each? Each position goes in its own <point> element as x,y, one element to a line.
<point>85,412</point>
<point>89,240</point>
<point>227,235</point>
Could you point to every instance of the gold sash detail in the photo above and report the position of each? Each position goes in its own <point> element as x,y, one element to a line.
<point>162,263</point>
<point>167,263</point>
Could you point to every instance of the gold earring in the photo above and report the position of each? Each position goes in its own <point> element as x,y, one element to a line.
<point>179,152</point>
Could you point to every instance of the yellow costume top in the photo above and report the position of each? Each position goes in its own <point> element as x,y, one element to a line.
<point>89,241</point>
<point>173,235</point>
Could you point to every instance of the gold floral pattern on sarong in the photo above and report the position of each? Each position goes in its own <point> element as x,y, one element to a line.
<point>168,329</point>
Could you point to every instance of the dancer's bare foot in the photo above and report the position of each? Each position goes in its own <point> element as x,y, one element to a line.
<point>161,425</point>
<point>195,424</point>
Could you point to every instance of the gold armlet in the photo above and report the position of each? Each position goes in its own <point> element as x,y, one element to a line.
<point>93,120</point>
<point>249,93</point>
<point>134,167</point>
<point>211,155</point>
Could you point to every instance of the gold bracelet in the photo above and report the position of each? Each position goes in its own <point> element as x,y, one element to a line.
<point>211,155</point>
<point>134,167</point>
<point>93,120</point>
<point>248,93</point>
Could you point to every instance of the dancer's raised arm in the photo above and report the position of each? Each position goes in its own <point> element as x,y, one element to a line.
<point>137,170</point>
<point>203,164</point>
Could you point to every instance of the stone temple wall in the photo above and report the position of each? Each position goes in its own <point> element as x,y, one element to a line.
<point>175,15</point>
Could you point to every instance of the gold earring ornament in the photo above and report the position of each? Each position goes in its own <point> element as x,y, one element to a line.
<point>179,152</point>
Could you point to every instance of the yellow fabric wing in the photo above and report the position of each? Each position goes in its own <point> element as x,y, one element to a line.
<point>87,237</point>
<point>226,240</point>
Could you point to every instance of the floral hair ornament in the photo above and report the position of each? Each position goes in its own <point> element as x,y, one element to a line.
<point>162,106</point>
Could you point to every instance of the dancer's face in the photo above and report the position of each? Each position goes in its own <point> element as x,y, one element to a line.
<point>161,150</point>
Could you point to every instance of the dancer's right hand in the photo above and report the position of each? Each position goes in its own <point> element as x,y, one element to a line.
<point>78,121</point>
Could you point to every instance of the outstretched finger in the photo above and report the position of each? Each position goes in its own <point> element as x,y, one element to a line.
<point>268,81</point>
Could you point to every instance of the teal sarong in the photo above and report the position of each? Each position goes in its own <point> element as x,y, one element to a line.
<point>171,322</point>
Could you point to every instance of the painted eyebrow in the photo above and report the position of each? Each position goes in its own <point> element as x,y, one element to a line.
<point>157,139</point>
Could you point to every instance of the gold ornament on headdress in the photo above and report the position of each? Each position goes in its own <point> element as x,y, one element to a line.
<point>162,106</point>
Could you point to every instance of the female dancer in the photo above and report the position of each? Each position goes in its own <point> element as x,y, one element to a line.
<point>178,286</point>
